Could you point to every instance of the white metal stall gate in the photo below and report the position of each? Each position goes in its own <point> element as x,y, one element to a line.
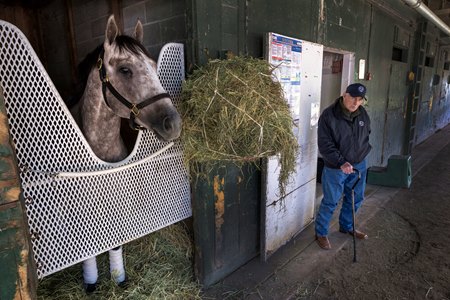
<point>74,218</point>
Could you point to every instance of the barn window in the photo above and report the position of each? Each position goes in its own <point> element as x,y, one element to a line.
<point>399,54</point>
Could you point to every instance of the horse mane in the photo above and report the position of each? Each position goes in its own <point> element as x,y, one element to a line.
<point>85,67</point>
<point>125,42</point>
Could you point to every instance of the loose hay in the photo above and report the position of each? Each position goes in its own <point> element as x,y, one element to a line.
<point>158,266</point>
<point>232,110</point>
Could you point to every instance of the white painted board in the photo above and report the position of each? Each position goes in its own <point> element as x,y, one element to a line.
<point>284,217</point>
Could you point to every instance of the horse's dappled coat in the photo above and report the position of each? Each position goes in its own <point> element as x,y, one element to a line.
<point>123,78</point>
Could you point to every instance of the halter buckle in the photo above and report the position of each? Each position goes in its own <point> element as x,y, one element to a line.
<point>135,110</point>
<point>99,63</point>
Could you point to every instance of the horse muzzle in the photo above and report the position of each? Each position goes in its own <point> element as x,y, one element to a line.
<point>170,127</point>
<point>166,124</point>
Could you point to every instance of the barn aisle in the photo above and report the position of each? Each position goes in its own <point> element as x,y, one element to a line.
<point>405,255</point>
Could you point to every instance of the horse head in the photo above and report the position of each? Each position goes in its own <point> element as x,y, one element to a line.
<point>131,87</point>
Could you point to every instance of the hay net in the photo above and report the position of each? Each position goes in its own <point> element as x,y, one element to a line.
<point>74,218</point>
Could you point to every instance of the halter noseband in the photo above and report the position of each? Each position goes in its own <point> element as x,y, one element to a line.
<point>134,108</point>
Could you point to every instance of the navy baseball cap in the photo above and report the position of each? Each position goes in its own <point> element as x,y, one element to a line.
<point>356,90</point>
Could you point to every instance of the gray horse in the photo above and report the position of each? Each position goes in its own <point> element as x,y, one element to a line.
<point>121,83</point>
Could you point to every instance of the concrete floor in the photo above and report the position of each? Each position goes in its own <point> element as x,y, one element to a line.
<point>279,277</point>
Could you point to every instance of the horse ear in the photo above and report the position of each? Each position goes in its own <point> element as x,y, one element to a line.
<point>111,30</point>
<point>139,32</point>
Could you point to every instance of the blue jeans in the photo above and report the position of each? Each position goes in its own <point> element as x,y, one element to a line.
<point>334,184</point>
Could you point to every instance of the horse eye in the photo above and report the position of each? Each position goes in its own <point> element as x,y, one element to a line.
<point>125,71</point>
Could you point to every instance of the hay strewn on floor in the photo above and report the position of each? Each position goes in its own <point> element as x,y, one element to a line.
<point>158,266</point>
<point>232,110</point>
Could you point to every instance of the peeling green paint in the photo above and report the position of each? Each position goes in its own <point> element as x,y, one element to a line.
<point>14,250</point>
<point>5,151</point>
<point>11,246</point>
<point>8,283</point>
<point>4,166</point>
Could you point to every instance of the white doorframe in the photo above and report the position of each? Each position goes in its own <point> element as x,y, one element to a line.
<point>348,66</point>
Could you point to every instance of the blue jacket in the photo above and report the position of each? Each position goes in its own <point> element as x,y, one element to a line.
<point>342,139</point>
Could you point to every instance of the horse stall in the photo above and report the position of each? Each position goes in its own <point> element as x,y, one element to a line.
<point>76,204</point>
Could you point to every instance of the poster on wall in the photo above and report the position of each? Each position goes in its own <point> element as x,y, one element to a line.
<point>285,55</point>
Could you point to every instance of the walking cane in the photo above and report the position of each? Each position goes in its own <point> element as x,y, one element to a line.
<point>353,213</point>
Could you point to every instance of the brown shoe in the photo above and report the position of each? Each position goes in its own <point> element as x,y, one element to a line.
<point>323,242</point>
<point>359,234</point>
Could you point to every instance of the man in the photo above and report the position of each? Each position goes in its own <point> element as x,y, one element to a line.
<point>343,138</point>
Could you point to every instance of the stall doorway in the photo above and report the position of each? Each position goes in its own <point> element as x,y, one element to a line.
<point>337,73</point>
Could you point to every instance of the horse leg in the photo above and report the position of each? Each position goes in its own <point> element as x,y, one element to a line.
<point>90,274</point>
<point>116,265</point>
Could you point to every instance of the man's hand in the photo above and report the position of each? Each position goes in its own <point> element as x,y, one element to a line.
<point>347,168</point>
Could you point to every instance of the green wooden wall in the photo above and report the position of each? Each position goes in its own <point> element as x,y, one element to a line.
<point>370,29</point>
<point>17,280</point>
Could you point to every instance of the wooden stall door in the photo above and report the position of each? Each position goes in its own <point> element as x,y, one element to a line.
<point>226,221</point>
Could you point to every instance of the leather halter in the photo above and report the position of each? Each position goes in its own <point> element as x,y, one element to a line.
<point>134,108</point>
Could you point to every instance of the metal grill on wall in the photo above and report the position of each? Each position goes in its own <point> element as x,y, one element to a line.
<point>76,216</point>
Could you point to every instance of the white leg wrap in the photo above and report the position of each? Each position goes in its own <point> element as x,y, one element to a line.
<point>90,272</point>
<point>116,265</point>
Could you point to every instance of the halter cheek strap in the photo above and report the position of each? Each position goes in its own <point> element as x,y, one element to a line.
<point>133,107</point>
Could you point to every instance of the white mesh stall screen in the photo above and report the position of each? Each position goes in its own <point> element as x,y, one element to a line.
<point>74,218</point>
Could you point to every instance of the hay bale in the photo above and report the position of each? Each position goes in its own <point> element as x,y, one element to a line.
<point>232,110</point>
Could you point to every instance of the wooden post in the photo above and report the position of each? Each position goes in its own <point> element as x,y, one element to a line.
<point>116,9</point>
<point>17,273</point>
<point>71,41</point>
